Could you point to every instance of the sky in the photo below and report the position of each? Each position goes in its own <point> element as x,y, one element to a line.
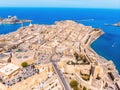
<point>62,3</point>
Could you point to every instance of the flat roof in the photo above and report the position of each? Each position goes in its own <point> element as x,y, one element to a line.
<point>8,69</point>
<point>19,57</point>
<point>3,56</point>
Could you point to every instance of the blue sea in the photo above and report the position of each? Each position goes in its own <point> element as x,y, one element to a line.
<point>108,45</point>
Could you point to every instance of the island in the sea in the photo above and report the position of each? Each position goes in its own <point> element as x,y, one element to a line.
<point>116,24</point>
<point>12,20</point>
<point>54,57</point>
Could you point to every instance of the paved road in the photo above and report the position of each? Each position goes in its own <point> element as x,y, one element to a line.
<point>61,76</point>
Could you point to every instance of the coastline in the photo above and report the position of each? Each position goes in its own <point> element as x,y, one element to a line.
<point>88,45</point>
<point>103,60</point>
<point>58,43</point>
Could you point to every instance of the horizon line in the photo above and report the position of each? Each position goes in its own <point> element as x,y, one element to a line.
<point>55,7</point>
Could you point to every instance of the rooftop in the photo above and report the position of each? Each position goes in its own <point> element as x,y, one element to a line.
<point>8,69</point>
<point>118,82</point>
<point>4,56</point>
<point>22,56</point>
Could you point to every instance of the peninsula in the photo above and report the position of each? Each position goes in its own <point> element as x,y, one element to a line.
<point>54,57</point>
<point>12,20</point>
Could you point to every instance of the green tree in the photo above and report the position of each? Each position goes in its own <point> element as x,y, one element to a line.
<point>98,77</point>
<point>85,77</point>
<point>24,64</point>
<point>85,60</point>
<point>75,88</point>
<point>74,84</point>
<point>76,55</point>
<point>84,88</point>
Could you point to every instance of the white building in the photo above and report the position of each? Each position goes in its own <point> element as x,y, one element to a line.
<point>9,70</point>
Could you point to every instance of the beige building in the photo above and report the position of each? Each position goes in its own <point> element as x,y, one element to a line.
<point>1,49</point>
<point>23,56</point>
<point>5,57</point>
<point>118,84</point>
<point>9,70</point>
<point>98,71</point>
<point>3,87</point>
<point>84,69</point>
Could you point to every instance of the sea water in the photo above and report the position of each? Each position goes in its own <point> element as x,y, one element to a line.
<point>108,45</point>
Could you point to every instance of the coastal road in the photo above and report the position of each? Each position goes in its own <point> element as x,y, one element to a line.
<point>61,76</point>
